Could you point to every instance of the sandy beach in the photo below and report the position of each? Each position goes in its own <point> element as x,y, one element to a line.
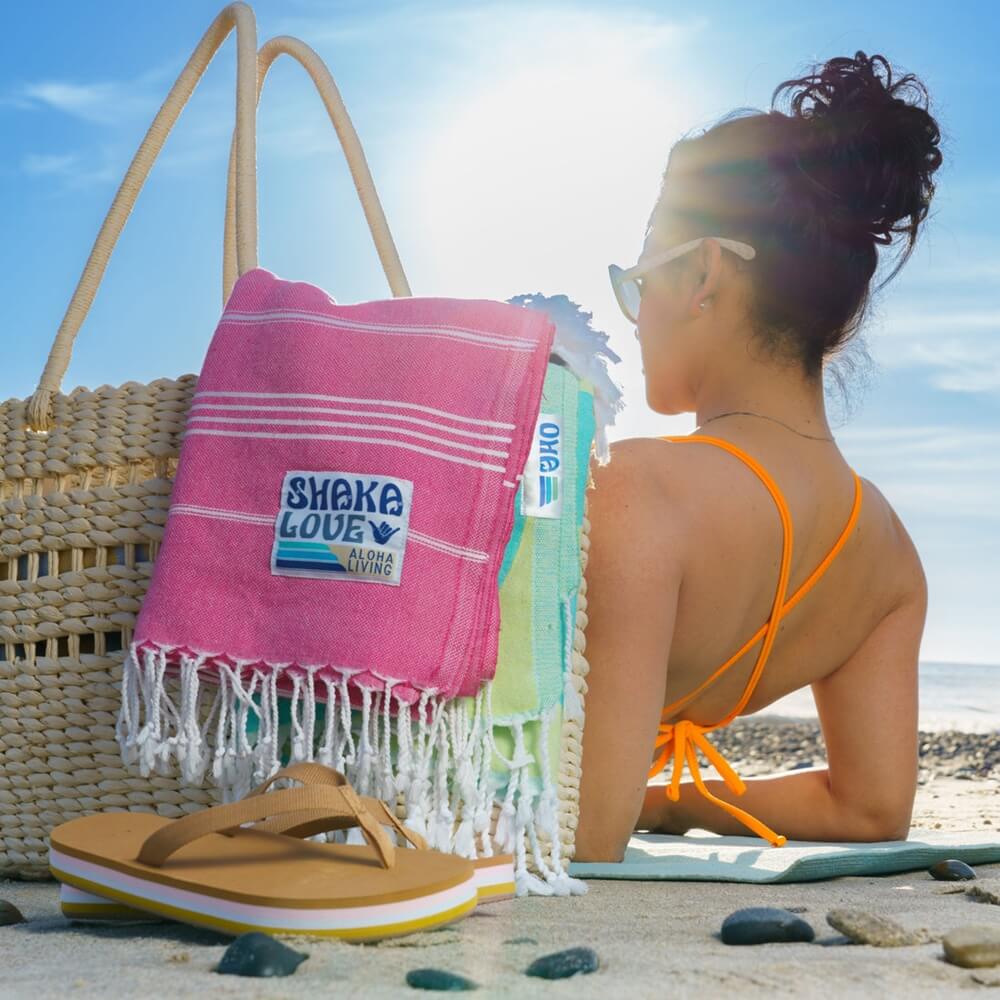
<point>651,938</point>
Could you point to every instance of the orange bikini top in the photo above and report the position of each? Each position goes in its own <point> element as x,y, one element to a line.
<point>678,739</point>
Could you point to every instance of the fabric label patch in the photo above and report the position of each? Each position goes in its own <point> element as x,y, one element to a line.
<point>541,487</point>
<point>342,526</point>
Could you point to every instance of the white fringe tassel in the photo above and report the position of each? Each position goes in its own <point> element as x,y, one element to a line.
<point>438,758</point>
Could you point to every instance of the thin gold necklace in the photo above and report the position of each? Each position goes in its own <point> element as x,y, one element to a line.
<point>747,413</point>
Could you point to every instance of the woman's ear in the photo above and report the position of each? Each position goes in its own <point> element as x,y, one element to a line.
<point>707,272</point>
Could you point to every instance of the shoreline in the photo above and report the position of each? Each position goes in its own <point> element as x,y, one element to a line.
<point>757,745</point>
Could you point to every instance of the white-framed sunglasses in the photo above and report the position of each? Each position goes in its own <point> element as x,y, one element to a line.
<point>624,281</point>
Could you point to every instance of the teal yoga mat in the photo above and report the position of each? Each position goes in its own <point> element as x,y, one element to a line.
<point>711,858</point>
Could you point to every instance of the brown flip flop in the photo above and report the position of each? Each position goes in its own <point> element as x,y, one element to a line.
<point>209,870</point>
<point>494,875</point>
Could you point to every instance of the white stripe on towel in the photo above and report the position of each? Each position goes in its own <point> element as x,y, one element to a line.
<point>477,337</point>
<point>190,431</point>
<point>394,403</point>
<point>258,407</point>
<point>317,424</point>
<point>474,555</point>
<point>216,513</point>
<point>221,515</point>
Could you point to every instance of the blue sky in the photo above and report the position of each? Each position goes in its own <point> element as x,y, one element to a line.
<point>516,148</point>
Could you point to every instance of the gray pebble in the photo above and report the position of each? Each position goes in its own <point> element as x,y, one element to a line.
<point>988,892</point>
<point>256,954</point>
<point>868,928</point>
<point>973,946</point>
<point>438,979</point>
<point>763,924</point>
<point>951,870</point>
<point>9,914</point>
<point>561,964</point>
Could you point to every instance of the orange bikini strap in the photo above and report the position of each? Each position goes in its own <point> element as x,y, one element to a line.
<point>777,606</point>
<point>790,603</point>
<point>832,554</point>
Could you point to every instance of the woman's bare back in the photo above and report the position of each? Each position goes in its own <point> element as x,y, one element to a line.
<point>684,560</point>
<point>735,535</point>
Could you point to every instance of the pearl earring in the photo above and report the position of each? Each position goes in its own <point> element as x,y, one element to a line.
<point>702,304</point>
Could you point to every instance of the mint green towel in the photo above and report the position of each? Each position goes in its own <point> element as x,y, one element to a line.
<point>539,574</point>
<point>710,858</point>
<point>541,567</point>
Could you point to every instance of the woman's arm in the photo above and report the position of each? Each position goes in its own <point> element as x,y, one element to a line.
<point>868,714</point>
<point>781,801</point>
<point>633,580</point>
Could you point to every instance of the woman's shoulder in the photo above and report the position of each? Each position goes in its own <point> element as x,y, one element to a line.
<point>659,473</point>
<point>884,522</point>
<point>634,484</point>
<point>641,467</point>
<point>646,490</point>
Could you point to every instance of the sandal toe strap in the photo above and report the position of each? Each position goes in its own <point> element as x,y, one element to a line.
<point>308,824</point>
<point>340,804</point>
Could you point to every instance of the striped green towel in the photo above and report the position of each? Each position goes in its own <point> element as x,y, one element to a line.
<point>539,583</point>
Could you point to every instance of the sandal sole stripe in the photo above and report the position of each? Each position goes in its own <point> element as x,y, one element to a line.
<point>356,923</point>
<point>494,881</point>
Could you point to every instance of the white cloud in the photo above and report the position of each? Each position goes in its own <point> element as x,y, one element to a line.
<point>961,271</point>
<point>103,103</point>
<point>962,366</point>
<point>959,347</point>
<point>905,324</point>
<point>947,471</point>
<point>54,163</point>
<point>78,170</point>
<point>112,103</point>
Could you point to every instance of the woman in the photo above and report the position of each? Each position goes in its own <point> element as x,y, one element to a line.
<point>774,221</point>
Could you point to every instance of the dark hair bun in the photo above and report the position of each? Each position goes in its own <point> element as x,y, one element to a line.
<point>865,153</point>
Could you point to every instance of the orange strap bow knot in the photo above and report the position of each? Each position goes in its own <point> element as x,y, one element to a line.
<point>680,739</point>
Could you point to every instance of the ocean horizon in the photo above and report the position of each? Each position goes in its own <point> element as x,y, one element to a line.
<point>962,696</point>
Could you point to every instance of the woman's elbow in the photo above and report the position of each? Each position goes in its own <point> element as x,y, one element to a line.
<point>875,827</point>
<point>892,830</point>
<point>599,846</point>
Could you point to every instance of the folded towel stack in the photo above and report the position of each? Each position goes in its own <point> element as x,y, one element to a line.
<point>341,506</point>
<point>356,486</point>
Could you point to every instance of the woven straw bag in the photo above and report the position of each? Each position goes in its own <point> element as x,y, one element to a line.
<point>85,480</point>
<point>85,484</point>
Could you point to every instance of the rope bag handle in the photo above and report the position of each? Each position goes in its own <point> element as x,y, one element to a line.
<point>360,173</point>
<point>235,15</point>
<point>241,226</point>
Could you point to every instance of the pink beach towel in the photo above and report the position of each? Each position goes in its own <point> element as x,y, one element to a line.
<point>343,499</point>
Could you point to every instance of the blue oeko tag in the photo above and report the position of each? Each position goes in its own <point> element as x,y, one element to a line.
<point>541,485</point>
